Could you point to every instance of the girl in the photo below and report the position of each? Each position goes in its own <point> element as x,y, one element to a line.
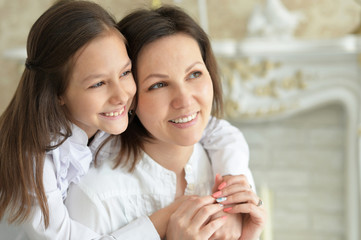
<point>77,85</point>
<point>161,161</point>
<point>77,80</point>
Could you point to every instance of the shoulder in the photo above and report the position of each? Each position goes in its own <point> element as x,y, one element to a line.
<point>102,179</point>
<point>69,161</point>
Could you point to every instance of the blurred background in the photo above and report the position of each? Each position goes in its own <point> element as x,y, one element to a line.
<point>291,75</point>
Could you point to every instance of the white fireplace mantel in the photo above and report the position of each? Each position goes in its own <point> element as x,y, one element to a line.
<point>266,80</point>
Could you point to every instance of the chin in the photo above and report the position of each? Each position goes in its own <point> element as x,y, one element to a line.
<point>118,130</point>
<point>186,142</point>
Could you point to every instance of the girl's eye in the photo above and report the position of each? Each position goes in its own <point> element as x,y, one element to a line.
<point>125,73</point>
<point>97,85</point>
<point>195,74</point>
<point>157,85</point>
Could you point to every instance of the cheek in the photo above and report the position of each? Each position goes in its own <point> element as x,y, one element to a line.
<point>132,88</point>
<point>144,108</point>
<point>151,109</point>
<point>129,88</point>
<point>83,103</point>
<point>206,89</point>
<point>82,109</point>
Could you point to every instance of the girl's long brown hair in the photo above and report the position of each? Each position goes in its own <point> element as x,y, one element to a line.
<point>141,28</point>
<point>34,122</point>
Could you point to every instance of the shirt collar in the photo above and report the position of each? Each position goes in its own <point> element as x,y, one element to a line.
<point>78,136</point>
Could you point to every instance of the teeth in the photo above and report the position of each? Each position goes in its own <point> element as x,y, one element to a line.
<point>185,119</point>
<point>114,114</point>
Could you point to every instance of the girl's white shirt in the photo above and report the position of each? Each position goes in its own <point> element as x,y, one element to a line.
<point>107,199</point>
<point>66,164</point>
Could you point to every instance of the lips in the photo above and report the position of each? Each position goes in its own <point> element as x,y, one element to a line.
<point>114,114</point>
<point>185,119</point>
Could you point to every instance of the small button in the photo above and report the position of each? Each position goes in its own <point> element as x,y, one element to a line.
<point>188,168</point>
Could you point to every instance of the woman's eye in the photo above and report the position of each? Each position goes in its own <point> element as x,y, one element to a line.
<point>157,85</point>
<point>126,73</point>
<point>97,85</point>
<point>195,74</point>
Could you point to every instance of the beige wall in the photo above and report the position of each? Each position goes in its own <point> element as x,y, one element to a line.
<point>227,19</point>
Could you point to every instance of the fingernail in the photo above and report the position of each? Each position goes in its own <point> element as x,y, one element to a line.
<point>217,194</point>
<point>224,217</point>
<point>222,185</point>
<point>227,209</point>
<point>221,199</point>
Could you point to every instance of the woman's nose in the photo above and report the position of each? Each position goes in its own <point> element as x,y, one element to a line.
<point>182,98</point>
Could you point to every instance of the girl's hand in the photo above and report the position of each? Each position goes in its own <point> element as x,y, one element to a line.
<point>192,220</point>
<point>236,191</point>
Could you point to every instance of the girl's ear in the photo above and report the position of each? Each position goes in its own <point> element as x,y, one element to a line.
<point>61,100</point>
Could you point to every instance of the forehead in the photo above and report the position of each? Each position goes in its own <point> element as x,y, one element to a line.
<point>105,53</point>
<point>113,33</point>
<point>174,47</point>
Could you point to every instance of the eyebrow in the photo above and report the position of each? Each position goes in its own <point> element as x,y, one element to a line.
<point>192,65</point>
<point>100,75</point>
<point>159,75</point>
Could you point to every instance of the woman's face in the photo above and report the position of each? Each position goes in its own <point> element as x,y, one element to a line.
<point>175,90</point>
<point>101,86</point>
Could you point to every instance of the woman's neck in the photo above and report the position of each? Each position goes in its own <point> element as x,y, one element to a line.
<point>170,156</point>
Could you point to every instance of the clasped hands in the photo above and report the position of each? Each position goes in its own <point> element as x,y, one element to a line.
<point>232,212</point>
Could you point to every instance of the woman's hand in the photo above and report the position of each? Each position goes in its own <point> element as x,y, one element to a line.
<point>161,217</point>
<point>236,191</point>
<point>231,230</point>
<point>192,220</point>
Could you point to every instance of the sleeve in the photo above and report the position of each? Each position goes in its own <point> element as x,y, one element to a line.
<point>139,229</point>
<point>227,149</point>
<point>88,209</point>
<point>61,226</point>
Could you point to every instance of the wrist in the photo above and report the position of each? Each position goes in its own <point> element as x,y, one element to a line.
<point>160,219</point>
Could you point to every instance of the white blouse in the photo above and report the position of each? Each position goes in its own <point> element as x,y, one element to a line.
<point>66,164</point>
<point>107,199</point>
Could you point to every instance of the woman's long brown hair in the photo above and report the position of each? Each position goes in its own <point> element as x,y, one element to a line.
<point>141,28</point>
<point>34,122</point>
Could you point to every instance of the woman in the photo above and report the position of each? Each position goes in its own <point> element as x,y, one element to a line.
<point>178,87</point>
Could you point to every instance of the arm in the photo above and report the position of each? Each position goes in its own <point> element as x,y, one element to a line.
<point>62,226</point>
<point>240,199</point>
<point>88,208</point>
<point>227,149</point>
<point>229,154</point>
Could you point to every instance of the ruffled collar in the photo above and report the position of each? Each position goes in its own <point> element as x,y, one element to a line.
<point>73,158</point>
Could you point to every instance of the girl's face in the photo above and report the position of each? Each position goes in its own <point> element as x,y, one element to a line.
<point>101,86</point>
<point>175,90</point>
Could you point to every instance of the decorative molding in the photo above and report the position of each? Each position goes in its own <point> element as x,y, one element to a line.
<point>273,20</point>
<point>269,81</point>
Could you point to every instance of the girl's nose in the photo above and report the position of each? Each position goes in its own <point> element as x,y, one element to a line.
<point>118,94</point>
